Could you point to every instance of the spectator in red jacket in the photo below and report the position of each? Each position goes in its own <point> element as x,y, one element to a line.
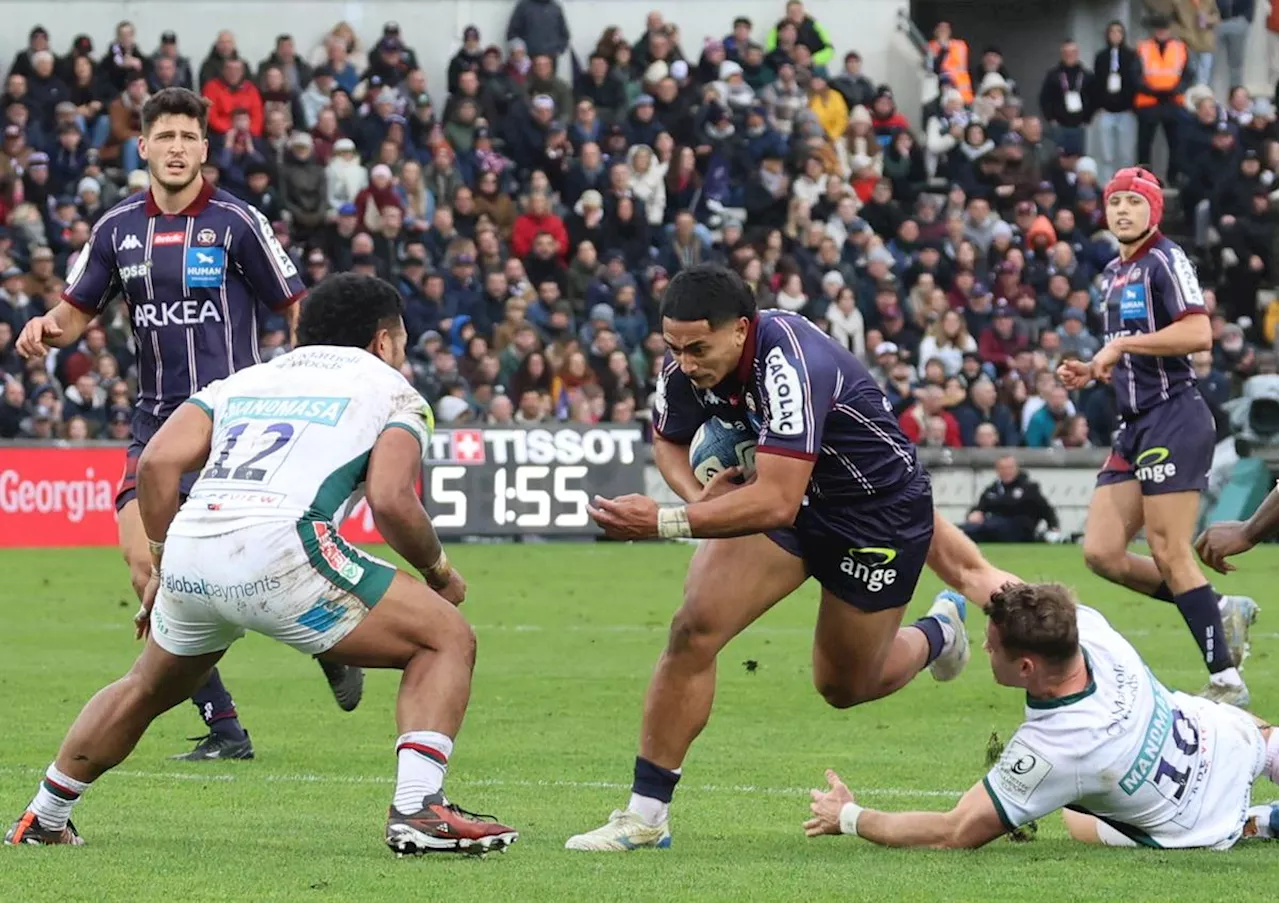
<point>1000,341</point>
<point>536,218</point>
<point>229,92</point>
<point>886,119</point>
<point>929,403</point>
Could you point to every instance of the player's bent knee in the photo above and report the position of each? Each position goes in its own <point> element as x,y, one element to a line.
<point>843,696</point>
<point>1104,558</point>
<point>692,636</point>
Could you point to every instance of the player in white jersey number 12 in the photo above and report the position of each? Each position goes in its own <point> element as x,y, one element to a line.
<point>281,449</point>
<point>1129,762</point>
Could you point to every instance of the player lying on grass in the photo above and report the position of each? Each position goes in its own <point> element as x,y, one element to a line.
<point>281,448</point>
<point>838,495</point>
<point>1222,540</point>
<point>1159,463</point>
<point>1129,762</point>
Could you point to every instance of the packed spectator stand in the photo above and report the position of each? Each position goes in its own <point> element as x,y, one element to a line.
<point>532,220</point>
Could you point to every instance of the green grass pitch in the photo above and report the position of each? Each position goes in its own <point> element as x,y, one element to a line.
<point>568,635</point>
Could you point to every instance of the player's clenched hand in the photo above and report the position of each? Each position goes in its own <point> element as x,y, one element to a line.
<point>1221,541</point>
<point>30,342</point>
<point>1104,362</point>
<point>142,620</point>
<point>626,517</point>
<point>826,807</point>
<point>1074,374</point>
<point>724,481</point>
<point>455,591</point>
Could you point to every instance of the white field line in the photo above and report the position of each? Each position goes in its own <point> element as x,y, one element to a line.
<point>245,775</point>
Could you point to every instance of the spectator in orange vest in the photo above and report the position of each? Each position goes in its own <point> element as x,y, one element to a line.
<point>950,58</point>
<point>1164,75</point>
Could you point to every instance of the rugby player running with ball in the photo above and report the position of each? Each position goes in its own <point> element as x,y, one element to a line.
<point>1159,462</point>
<point>193,263</point>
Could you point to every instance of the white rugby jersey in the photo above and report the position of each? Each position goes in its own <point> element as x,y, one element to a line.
<point>292,437</point>
<point>1163,768</point>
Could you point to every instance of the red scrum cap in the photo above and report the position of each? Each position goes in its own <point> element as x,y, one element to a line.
<point>1142,182</point>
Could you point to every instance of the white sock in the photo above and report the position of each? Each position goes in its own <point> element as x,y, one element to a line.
<point>423,758</point>
<point>1228,678</point>
<point>52,805</point>
<point>1261,818</point>
<point>652,811</point>
<point>948,633</point>
<point>1272,769</point>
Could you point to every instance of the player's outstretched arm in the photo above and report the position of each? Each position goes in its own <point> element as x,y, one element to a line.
<point>1222,540</point>
<point>959,563</point>
<point>59,328</point>
<point>973,822</point>
<point>394,467</point>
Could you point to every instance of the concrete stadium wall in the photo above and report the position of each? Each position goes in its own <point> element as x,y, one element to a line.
<point>434,27</point>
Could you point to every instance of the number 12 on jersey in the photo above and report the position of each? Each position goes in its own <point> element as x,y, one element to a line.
<point>238,460</point>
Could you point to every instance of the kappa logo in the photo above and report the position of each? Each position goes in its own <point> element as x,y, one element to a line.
<point>1154,466</point>
<point>206,237</point>
<point>130,243</point>
<point>871,566</point>
<point>786,398</point>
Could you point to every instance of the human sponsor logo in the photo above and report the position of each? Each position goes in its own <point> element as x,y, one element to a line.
<point>1020,771</point>
<point>130,243</point>
<point>187,312</point>
<point>204,268</point>
<point>162,239</point>
<point>135,271</point>
<point>324,410</point>
<point>335,557</point>
<point>782,386</point>
<point>206,237</point>
<point>1133,302</point>
<point>870,565</point>
<point>1154,466</point>
<point>181,585</point>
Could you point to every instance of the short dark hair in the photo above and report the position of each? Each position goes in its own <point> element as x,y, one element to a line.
<point>708,292</point>
<point>175,102</point>
<point>348,309</point>
<point>1036,619</point>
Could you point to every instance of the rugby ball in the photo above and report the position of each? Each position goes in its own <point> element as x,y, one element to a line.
<point>718,445</point>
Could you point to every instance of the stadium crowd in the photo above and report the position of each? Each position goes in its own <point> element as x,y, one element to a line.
<point>532,222</point>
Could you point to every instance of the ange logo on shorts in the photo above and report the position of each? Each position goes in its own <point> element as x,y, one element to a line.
<point>1153,465</point>
<point>870,564</point>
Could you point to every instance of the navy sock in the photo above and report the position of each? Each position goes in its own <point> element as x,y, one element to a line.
<point>1199,608</point>
<point>1164,594</point>
<point>932,629</point>
<point>654,781</point>
<point>216,707</point>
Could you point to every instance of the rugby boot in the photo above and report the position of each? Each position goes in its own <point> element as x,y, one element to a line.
<point>441,827</point>
<point>28,830</point>
<point>625,830</point>
<point>346,682</point>
<point>212,747</point>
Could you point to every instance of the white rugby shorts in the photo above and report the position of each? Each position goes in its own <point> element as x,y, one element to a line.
<point>298,582</point>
